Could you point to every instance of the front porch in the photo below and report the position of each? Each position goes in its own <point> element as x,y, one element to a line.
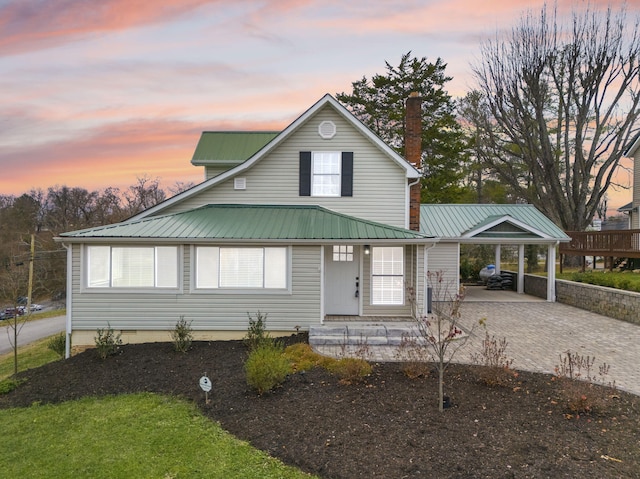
<point>378,338</point>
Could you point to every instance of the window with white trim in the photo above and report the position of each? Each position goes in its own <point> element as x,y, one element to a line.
<point>325,173</point>
<point>241,268</point>
<point>342,252</point>
<point>387,275</point>
<point>132,266</point>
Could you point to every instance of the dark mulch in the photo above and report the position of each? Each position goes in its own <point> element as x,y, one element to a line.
<point>387,427</point>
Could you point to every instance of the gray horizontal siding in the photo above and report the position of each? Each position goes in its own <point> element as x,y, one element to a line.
<point>445,257</point>
<point>378,188</point>
<point>207,312</point>
<point>212,171</point>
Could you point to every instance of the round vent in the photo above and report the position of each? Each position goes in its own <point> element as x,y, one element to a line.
<point>327,130</point>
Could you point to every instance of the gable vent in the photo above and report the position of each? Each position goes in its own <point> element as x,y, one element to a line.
<point>327,130</point>
<point>239,183</point>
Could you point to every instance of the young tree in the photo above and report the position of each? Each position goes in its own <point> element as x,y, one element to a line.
<point>564,98</point>
<point>441,331</point>
<point>13,284</point>
<point>379,103</point>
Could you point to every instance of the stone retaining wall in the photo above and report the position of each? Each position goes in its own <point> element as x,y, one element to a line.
<point>615,303</point>
<point>535,285</point>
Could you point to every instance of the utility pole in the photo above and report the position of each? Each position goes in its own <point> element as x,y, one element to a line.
<point>31,260</point>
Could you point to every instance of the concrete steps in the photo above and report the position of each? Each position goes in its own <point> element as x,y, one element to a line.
<point>361,334</point>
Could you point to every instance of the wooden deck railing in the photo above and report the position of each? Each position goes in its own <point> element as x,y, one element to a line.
<point>614,243</point>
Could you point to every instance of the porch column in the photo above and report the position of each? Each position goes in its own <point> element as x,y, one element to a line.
<point>497,261</point>
<point>551,273</point>
<point>520,268</point>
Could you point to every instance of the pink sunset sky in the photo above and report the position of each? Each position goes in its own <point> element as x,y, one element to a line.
<point>97,93</point>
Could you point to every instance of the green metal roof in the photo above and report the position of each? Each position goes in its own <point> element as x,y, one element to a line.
<point>250,223</point>
<point>455,221</point>
<point>229,148</point>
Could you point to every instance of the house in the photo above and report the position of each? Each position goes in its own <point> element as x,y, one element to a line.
<point>319,221</point>
<point>633,208</point>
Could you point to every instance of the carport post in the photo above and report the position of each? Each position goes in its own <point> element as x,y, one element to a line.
<point>520,281</point>
<point>497,259</point>
<point>551,273</point>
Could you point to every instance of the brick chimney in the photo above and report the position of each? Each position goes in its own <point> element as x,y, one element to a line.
<point>413,153</point>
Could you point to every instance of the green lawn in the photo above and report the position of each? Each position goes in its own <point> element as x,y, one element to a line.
<point>141,436</point>
<point>138,436</point>
<point>30,356</point>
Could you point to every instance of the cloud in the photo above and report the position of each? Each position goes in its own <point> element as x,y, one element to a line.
<point>111,155</point>
<point>27,25</point>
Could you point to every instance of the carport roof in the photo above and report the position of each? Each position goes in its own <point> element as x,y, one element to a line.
<point>253,223</point>
<point>466,222</point>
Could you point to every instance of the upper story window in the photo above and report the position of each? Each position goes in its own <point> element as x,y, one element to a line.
<point>325,177</point>
<point>326,173</point>
<point>132,266</point>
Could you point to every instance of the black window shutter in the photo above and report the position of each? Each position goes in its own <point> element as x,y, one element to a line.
<point>305,173</point>
<point>347,173</point>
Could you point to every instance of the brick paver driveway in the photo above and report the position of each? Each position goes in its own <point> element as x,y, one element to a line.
<point>538,332</point>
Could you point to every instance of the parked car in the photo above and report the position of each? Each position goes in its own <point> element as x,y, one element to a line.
<point>36,307</point>
<point>12,312</point>
<point>3,315</point>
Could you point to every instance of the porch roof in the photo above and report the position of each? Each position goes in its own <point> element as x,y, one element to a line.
<point>229,148</point>
<point>488,222</point>
<point>255,223</point>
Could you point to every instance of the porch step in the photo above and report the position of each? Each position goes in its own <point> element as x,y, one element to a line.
<point>361,334</point>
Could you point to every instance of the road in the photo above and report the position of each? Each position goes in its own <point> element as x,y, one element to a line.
<point>31,331</point>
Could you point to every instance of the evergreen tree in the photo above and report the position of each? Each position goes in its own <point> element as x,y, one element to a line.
<point>379,103</point>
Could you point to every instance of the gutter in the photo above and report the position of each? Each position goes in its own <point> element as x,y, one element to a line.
<point>425,305</point>
<point>67,348</point>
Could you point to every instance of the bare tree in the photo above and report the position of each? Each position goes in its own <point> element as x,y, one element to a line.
<point>70,208</point>
<point>180,186</point>
<point>144,194</point>
<point>441,333</point>
<point>563,97</point>
<point>13,284</point>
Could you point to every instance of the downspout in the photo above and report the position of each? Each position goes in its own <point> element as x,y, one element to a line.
<point>67,347</point>
<point>425,304</point>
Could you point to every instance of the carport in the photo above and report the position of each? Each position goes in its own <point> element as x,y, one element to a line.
<point>497,225</point>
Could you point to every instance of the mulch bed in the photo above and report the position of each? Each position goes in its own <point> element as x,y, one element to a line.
<point>387,426</point>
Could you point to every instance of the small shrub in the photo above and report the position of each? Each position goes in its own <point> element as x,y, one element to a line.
<point>575,376</point>
<point>257,334</point>
<point>57,344</point>
<point>107,342</point>
<point>466,269</point>
<point>302,357</point>
<point>360,349</point>
<point>413,357</point>
<point>496,365</point>
<point>350,370</point>
<point>9,384</point>
<point>182,335</point>
<point>267,367</point>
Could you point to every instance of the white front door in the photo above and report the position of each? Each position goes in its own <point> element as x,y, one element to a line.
<point>342,280</point>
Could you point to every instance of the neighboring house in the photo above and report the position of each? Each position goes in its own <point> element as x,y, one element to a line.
<point>319,221</point>
<point>633,208</point>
